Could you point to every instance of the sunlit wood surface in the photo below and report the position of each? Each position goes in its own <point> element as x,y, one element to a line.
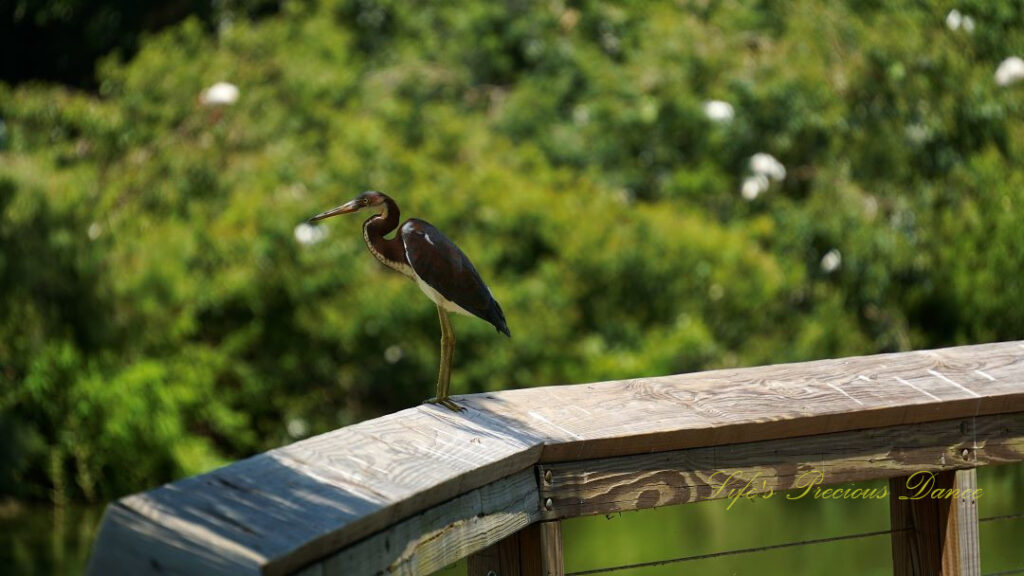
<point>414,490</point>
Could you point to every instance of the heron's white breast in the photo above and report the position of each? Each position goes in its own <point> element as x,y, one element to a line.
<point>438,298</point>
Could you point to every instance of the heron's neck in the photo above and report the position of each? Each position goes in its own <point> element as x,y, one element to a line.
<point>391,252</point>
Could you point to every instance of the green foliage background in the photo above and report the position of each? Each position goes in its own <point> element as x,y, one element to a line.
<point>158,316</point>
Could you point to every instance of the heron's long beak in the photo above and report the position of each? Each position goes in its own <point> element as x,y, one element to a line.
<point>345,208</point>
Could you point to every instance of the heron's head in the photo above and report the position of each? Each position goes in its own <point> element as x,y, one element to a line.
<point>372,200</point>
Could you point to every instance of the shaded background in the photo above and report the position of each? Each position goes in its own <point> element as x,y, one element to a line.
<point>163,311</point>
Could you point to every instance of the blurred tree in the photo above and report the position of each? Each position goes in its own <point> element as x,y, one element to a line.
<point>161,302</point>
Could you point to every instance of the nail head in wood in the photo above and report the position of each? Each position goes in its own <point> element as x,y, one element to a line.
<point>548,504</point>
<point>547,476</point>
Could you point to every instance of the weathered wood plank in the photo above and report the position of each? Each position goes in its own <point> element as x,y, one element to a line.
<point>298,504</point>
<point>968,537</point>
<point>728,406</point>
<point>516,555</point>
<point>288,508</point>
<point>531,561</point>
<point>413,464</point>
<point>533,551</point>
<point>501,557</point>
<point>446,533</point>
<point>125,537</point>
<point>938,533</point>
<point>604,486</point>
<point>921,528</point>
<point>551,552</point>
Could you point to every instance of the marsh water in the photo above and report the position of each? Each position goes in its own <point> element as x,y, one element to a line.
<point>47,541</point>
<point>37,539</point>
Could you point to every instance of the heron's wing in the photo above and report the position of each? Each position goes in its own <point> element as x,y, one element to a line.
<point>440,263</point>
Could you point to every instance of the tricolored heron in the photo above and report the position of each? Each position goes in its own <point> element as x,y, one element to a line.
<point>421,252</point>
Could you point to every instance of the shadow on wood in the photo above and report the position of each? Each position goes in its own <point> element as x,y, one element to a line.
<point>934,518</point>
<point>412,491</point>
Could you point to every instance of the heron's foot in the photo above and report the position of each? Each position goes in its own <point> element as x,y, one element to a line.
<point>446,402</point>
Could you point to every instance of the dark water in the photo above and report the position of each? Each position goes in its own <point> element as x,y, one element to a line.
<point>43,540</point>
<point>46,541</point>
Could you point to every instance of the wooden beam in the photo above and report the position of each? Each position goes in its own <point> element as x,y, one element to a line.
<point>968,537</point>
<point>533,551</point>
<point>516,555</point>
<point>605,486</point>
<point>499,559</point>
<point>782,401</point>
<point>285,509</point>
<point>551,553</point>
<point>126,536</point>
<point>291,507</point>
<point>445,534</point>
<point>921,535</point>
<point>936,534</point>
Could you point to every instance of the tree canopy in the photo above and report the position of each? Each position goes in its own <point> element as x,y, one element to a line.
<point>163,308</point>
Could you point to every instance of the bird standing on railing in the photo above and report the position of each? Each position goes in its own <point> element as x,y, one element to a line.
<point>438,267</point>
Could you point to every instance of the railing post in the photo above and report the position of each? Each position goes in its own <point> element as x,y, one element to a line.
<point>504,558</point>
<point>552,559</point>
<point>967,522</point>
<point>934,535</point>
<point>533,551</point>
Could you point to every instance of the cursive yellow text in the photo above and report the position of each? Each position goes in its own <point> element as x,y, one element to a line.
<point>921,485</point>
<point>733,489</point>
<point>811,480</point>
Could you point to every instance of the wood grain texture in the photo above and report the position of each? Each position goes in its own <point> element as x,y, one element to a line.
<point>516,555</point>
<point>444,534</point>
<point>609,485</point>
<point>125,537</point>
<point>729,406</point>
<point>924,534</point>
<point>500,558</point>
<point>292,506</point>
<point>530,558</point>
<point>968,537</point>
<point>551,553</point>
<point>288,508</point>
<point>935,535</point>
<point>533,551</point>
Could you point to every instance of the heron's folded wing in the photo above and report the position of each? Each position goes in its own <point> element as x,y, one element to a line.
<point>444,267</point>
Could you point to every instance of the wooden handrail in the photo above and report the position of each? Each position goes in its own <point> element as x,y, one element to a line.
<point>415,490</point>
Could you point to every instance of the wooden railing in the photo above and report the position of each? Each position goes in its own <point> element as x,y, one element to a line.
<point>417,490</point>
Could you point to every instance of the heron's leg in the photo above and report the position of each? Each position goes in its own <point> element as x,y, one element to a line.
<point>447,350</point>
<point>444,372</point>
<point>447,353</point>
